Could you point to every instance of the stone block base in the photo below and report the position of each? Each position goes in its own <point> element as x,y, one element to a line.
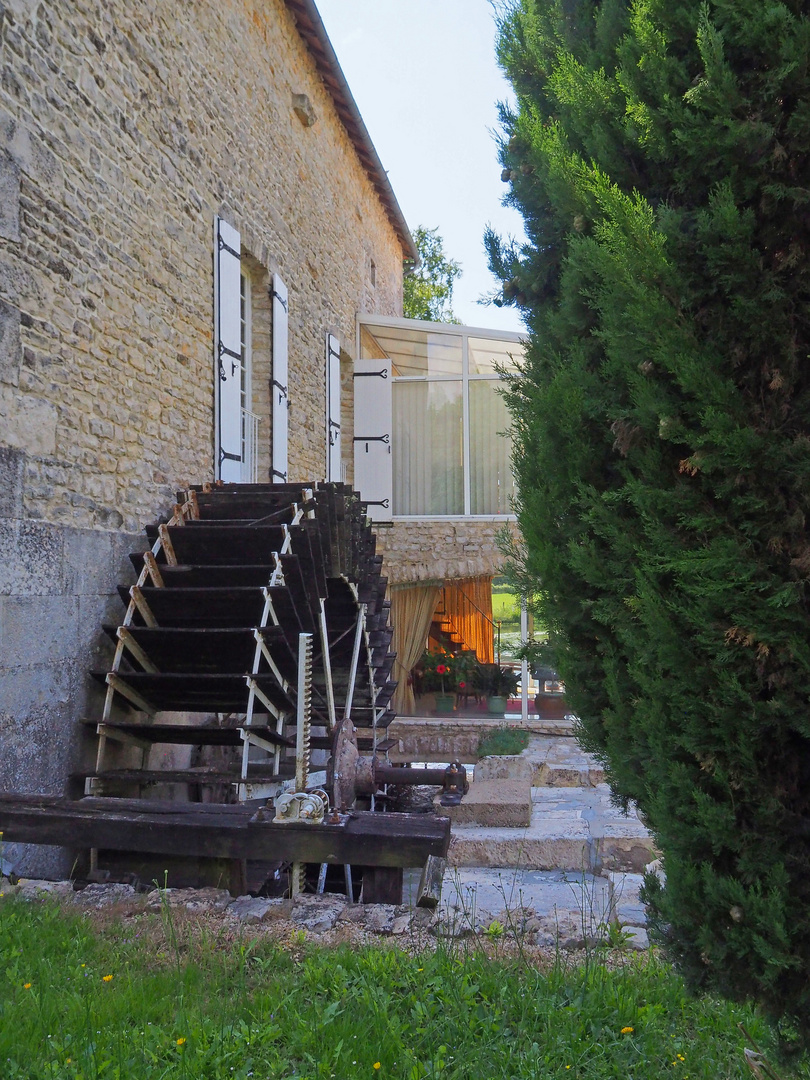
<point>496,803</point>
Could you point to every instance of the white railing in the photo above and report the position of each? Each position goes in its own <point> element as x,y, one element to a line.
<point>250,447</point>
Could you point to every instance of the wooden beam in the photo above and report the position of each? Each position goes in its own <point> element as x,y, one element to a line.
<point>131,695</point>
<point>197,829</point>
<point>430,884</point>
<point>382,885</point>
<point>132,645</point>
<point>168,547</point>
<point>139,600</point>
<point>153,570</point>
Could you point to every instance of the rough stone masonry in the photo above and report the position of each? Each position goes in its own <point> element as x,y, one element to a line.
<point>125,128</point>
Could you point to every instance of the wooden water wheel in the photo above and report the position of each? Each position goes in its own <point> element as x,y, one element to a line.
<point>254,657</point>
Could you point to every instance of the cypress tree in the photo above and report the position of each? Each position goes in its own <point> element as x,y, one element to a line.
<point>660,154</point>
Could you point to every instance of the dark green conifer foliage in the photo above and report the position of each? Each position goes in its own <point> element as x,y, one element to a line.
<point>660,154</point>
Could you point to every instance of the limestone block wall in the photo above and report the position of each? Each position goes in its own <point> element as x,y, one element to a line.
<point>436,550</point>
<point>126,126</point>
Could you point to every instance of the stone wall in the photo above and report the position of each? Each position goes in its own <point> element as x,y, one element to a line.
<point>56,590</point>
<point>420,552</point>
<point>125,128</point>
<point>128,126</point>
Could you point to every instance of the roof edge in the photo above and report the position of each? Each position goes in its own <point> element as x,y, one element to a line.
<point>313,32</point>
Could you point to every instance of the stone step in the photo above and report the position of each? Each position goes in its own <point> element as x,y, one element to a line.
<point>548,761</point>
<point>575,829</point>
<point>498,803</point>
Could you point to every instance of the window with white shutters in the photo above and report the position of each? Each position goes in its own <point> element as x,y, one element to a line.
<point>333,463</point>
<point>228,353</point>
<point>372,436</point>
<point>280,384</point>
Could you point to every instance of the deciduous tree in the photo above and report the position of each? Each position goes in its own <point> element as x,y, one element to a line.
<point>428,287</point>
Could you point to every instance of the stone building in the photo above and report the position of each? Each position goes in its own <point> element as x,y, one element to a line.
<point>192,218</point>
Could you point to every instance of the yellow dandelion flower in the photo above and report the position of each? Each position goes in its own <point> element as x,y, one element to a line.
<point>68,1061</point>
<point>180,1042</point>
<point>627,1030</point>
<point>377,1065</point>
<point>106,978</point>
<point>26,986</point>
<point>84,965</point>
<point>681,1057</point>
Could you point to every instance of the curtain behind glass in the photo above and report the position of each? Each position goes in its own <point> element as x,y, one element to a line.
<point>468,607</point>
<point>491,482</point>
<point>427,448</point>
<point>411,615</point>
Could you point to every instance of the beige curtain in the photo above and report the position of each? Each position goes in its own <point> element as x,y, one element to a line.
<point>411,614</point>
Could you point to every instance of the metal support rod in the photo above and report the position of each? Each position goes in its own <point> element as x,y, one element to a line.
<point>358,639</point>
<point>327,669</point>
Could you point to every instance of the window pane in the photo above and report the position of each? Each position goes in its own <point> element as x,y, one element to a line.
<point>491,483</point>
<point>413,352</point>
<point>427,448</point>
<point>484,355</point>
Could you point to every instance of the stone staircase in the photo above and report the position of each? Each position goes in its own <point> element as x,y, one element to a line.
<point>538,842</point>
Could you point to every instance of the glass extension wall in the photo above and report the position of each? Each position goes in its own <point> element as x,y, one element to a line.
<point>449,444</point>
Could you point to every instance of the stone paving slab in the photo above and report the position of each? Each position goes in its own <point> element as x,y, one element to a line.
<point>626,906</point>
<point>544,908</point>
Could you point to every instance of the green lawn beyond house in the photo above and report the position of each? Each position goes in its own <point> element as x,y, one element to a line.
<point>145,996</point>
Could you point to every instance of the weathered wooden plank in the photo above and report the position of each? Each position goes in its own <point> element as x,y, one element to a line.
<point>367,839</point>
<point>382,885</point>
<point>190,735</point>
<point>430,884</point>
<point>198,692</point>
<point>257,774</point>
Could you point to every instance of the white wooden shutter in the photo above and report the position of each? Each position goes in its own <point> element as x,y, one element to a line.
<point>373,474</point>
<point>280,384</point>
<point>228,353</point>
<point>332,408</point>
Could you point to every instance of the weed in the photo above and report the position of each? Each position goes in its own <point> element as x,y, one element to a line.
<point>504,740</point>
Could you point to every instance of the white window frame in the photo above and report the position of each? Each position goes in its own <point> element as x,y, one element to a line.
<point>464,377</point>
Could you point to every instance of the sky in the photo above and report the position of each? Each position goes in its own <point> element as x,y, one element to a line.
<point>426,82</point>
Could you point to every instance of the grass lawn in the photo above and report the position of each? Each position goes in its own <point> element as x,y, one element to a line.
<point>148,996</point>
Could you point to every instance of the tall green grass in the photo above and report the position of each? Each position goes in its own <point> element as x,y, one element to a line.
<point>144,997</point>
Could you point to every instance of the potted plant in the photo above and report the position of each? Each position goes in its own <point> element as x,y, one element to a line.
<point>438,675</point>
<point>501,684</point>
